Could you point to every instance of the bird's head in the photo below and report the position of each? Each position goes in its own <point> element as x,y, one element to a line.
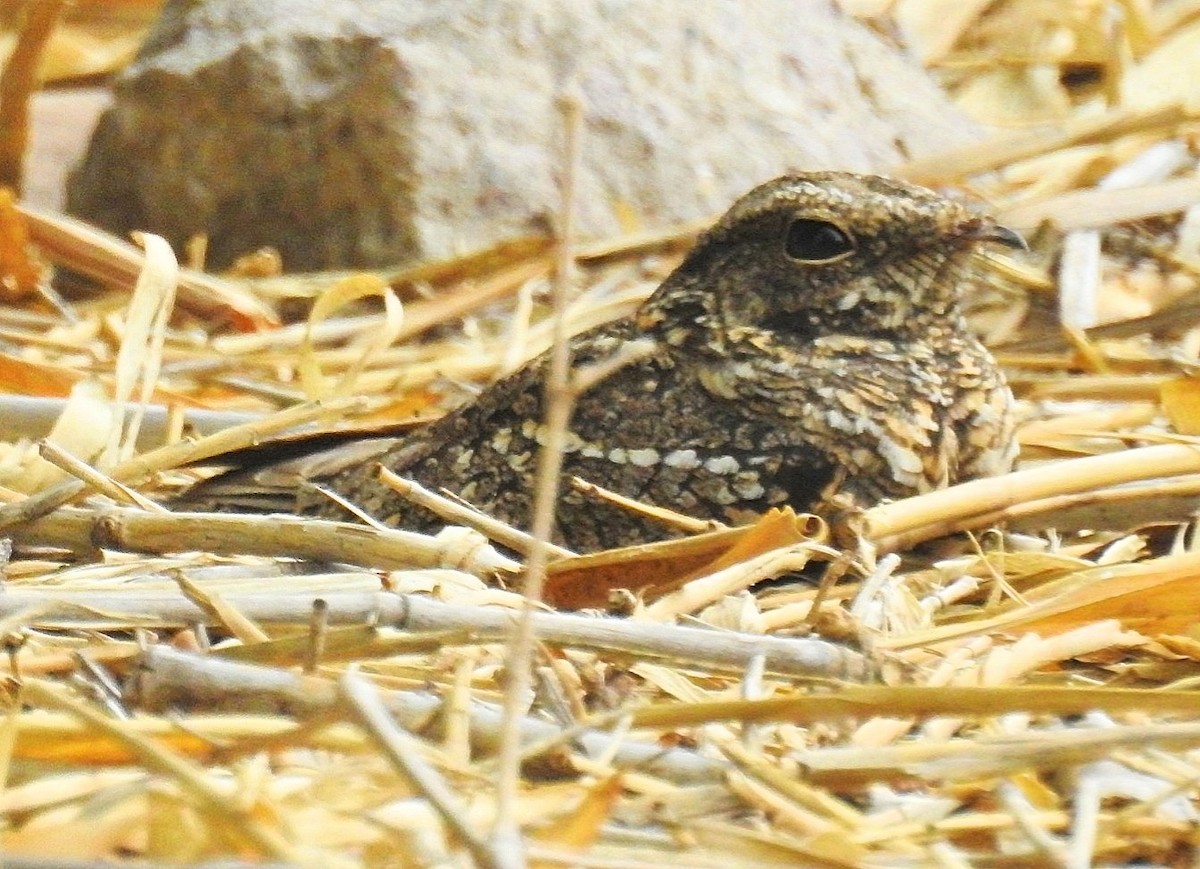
<point>826,252</point>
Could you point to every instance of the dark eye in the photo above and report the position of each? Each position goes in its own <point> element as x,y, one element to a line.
<point>816,241</point>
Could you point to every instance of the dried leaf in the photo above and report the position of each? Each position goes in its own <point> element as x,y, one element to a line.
<point>93,38</point>
<point>21,271</point>
<point>655,569</point>
<point>82,429</point>
<point>78,831</point>
<point>140,355</point>
<point>1082,209</point>
<point>1186,647</point>
<point>1154,597</point>
<point>344,292</point>
<point>115,262</point>
<point>36,378</point>
<point>582,827</point>
<point>1180,399</point>
<point>480,264</point>
<point>1168,74</point>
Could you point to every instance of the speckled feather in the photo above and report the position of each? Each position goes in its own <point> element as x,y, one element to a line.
<point>771,380</point>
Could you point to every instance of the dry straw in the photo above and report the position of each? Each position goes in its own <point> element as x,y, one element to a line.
<point>1002,672</point>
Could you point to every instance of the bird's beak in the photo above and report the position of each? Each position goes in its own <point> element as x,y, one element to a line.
<point>1000,235</point>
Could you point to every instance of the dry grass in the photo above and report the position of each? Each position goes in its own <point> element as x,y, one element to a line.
<point>185,688</point>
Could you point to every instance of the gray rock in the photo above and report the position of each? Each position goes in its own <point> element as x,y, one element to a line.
<point>369,132</point>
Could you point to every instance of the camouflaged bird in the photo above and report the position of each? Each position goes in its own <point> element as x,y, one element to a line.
<point>810,345</point>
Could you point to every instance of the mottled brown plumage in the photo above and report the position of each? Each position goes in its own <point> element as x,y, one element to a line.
<point>811,343</point>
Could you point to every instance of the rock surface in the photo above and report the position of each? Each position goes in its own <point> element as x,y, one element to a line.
<point>358,133</point>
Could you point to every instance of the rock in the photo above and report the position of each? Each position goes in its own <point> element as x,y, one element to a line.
<point>360,133</point>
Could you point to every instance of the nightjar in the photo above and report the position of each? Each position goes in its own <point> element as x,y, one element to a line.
<point>811,344</point>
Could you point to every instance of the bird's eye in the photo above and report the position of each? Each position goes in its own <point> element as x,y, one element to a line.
<point>816,241</point>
